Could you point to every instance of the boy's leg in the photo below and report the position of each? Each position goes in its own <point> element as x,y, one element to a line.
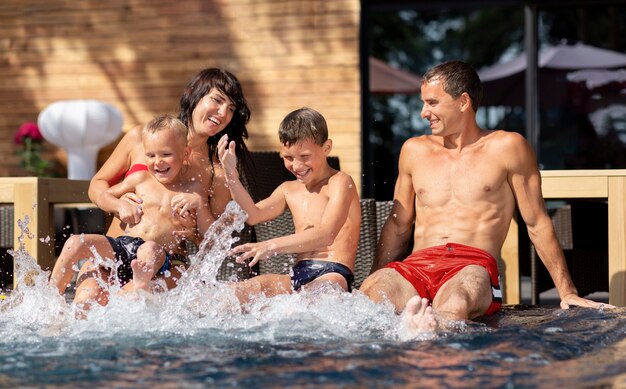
<point>89,286</point>
<point>266,284</point>
<point>77,247</point>
<point>150,258</point>
<point>333,278</point>
<point>171,281</point>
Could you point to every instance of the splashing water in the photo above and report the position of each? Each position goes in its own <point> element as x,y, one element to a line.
<point>199,302</point>
<point>196,335</point>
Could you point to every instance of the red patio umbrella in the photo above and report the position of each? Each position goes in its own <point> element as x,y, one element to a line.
<point>388,80</point>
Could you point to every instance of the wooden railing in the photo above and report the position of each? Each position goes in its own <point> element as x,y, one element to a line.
<point>581,184</point>
<point>35,197</point>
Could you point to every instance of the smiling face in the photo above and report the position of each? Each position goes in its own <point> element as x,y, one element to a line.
<point>165,152</point>
<point>306,160</point>
<point>440,109</point>
<point>212,113</point>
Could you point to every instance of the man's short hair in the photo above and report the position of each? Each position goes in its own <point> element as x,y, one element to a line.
<point>301,124</point>
<point>457,77</point>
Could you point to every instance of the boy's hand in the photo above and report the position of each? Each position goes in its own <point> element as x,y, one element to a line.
<point>184,203</point>
<point>256,251</point>
<point>228,158</point>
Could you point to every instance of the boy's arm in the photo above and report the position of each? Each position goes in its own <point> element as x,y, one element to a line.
<point>264,210</point>
<point>195,200</point>
<point>312,239</point>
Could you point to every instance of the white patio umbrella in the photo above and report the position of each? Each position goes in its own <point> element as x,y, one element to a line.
<point>504,83</point>
<point>564,57</point>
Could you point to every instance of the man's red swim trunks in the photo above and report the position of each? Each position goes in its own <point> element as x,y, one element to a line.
<point>428,269</point>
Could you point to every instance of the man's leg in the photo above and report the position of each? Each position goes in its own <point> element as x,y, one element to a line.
<point>388,284</point>
<point>465,296</point>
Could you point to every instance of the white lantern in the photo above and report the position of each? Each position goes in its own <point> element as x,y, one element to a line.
<point>81,128</point>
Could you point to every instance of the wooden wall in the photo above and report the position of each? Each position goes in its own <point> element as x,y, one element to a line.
<point>139,54</point>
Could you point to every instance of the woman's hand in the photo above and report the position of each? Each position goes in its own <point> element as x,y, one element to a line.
<point>228,158</point>
<point>129,212</point>
<point>132,198</point>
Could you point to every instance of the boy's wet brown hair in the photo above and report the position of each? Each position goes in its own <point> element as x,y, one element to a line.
<point>301,124</point>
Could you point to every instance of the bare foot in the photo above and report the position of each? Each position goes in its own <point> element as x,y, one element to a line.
<point>418,319</point>
<point>142,274</point>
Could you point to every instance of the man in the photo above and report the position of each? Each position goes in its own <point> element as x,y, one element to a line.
<point>459,187</point>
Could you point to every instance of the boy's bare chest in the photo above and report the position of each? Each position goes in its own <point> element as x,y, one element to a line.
<point>155,197</point>
<point>307,208</point>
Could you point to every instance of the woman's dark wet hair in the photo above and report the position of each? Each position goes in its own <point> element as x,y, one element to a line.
<point>457,77</point>
<point>228,84</point>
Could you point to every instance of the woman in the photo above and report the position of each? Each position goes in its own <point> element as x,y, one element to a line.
<point>211,105</point>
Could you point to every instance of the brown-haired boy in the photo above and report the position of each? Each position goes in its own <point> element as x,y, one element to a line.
<point>323,201</point>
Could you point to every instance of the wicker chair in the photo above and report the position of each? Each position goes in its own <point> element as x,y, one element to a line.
<point>270,172</point>
<point>6,226</point>
<point>383,209</point>
<point>281,226</point>
<point>368,239</point>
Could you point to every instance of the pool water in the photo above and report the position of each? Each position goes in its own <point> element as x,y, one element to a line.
<point>197,336</point>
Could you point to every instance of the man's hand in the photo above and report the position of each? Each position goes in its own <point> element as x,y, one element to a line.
<point>573,299</point>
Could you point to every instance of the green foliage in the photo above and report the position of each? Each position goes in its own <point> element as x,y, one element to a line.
<point>31,158</point>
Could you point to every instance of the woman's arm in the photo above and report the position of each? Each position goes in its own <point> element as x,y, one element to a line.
<point>116,165</point>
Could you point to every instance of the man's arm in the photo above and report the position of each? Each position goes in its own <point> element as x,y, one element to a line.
<point>525,181</point>
<point>397,230</point>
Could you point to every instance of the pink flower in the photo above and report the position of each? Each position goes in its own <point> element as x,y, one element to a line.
<point>27,130</point>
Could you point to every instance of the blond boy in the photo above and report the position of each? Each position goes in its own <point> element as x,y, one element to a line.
<point>171,203</point>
